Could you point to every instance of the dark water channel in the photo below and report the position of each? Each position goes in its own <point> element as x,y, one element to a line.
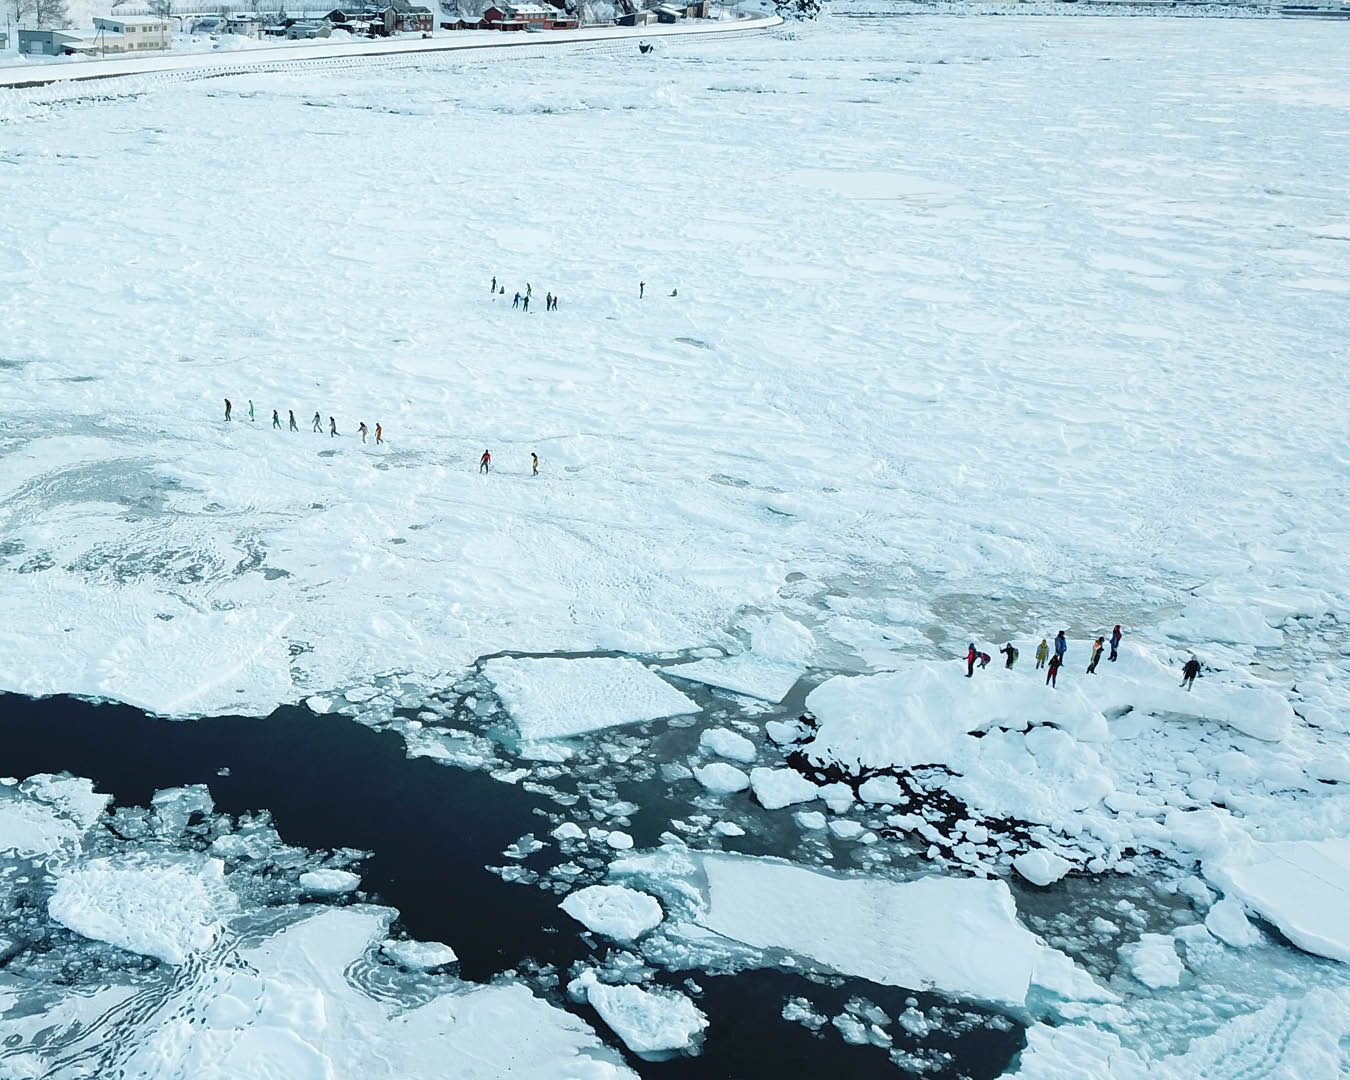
<point>331,783</point>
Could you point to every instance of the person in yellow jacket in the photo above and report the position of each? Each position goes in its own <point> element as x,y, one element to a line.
<point>1042,651</point>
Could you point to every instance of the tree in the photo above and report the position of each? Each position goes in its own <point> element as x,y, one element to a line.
<point>161,8</point>
<point>51,13</point>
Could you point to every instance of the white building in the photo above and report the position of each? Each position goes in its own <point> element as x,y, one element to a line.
<point>70,42</point>
<point>244,24</point>
<point>139,32</point>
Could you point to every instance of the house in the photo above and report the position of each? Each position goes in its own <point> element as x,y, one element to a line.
<point>412,18</point>
<point>667,14</point>
<point>511,16</point>
<point>303,31</point>
<point>211,24</point>
<point>636,18</point>
<point>375,21</point>
<point>141,32</point>
<point>275,30</point>
<point>4,40</point>
<point>243,23</point>
<point>70,42</point>
<point>699,9</point>
<point>457,21</point>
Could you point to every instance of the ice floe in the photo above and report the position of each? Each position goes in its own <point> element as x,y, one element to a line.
<point>617,912</point>
<point>651,1023</point>
<point>551,698</point>
<point>164,909</point>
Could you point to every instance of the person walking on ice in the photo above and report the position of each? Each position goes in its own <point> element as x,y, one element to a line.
<point>276,420</point>
<point>642,289</point>
<point>228,407</point>
<point>971,657</point>
<point>534,464</point>
<point>485,462</point>
<point>493,290</point>
<point>250,410</point>
<point>318,425</point>
<point>362,429</point>
<point>1052,672</point>
<point>1097,647</point>
<point>1042,651</point>
<point>1115,643</point>
<point>1061,646</point>
<point>379,435</point>
<point>1010,653</point>
<point>525,303</point>
<point>1189,672</point>
<point>291,414</point>
<point>332,428</point>
<point>516,302</point>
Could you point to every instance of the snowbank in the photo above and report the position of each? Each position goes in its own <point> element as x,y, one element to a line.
<point>1302,887</point>
<point>615,911</point>
<point>164,910</point>
<point>555,698</point>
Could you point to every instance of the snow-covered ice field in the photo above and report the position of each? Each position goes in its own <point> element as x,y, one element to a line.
<point>953,329</point>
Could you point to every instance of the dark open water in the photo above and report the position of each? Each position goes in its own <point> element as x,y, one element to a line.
<point>332,783</point>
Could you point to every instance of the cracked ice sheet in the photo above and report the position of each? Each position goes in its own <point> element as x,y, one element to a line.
<point>553,698</point>
<point>748,674</point>
<point>956,935</point>
<point>285,1007</point>
<point>649,529</point>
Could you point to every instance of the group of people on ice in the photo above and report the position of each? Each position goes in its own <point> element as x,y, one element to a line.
<point>522,299</point>
<point>316,423</point>
<point>1052,658</point>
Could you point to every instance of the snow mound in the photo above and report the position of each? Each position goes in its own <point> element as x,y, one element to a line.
<point>777,788</point>
<point>553,698</point>
<point>166,910</point>
<point>650,1022</point>
<point>418,955</point>
<point>1301,886</point>
<point>1153,960</point>
<point>615,911</point>
<point>721,778</point>
<point>728,744</point>
<point>329,882</point>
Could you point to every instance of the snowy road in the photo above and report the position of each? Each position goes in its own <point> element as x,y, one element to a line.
<point>288,57</point>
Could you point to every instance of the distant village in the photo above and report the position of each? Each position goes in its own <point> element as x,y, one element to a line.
<point>114,35</point>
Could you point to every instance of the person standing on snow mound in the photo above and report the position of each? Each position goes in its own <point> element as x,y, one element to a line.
<point>493,290</point>
<point>1189,672</point>
<point>332,428</point>
<point>534,464</point>
<point>642,289</point>
<point>971,657</point>
<point>485,462</point>
<point>250,409</point>
<point>228,407</point>
<point>318,425</point>
<point>1042,651</point>
<point>1052,672</point>
<point>516,302</point>
<point>1061,646</point>
<point>1115,643</point>
<point>291,414</point>
<point>1096,656</point>
<point>1010,653</point>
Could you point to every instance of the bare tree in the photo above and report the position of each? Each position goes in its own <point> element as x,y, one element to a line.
<point>51,13</point>
<point>22,10</point>
<point>162,8</point>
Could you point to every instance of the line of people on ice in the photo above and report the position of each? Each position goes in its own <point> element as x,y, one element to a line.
<point>316,423</point>
<point>521,300</point>
<point>1052,658</point>
<point>484,462</point>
